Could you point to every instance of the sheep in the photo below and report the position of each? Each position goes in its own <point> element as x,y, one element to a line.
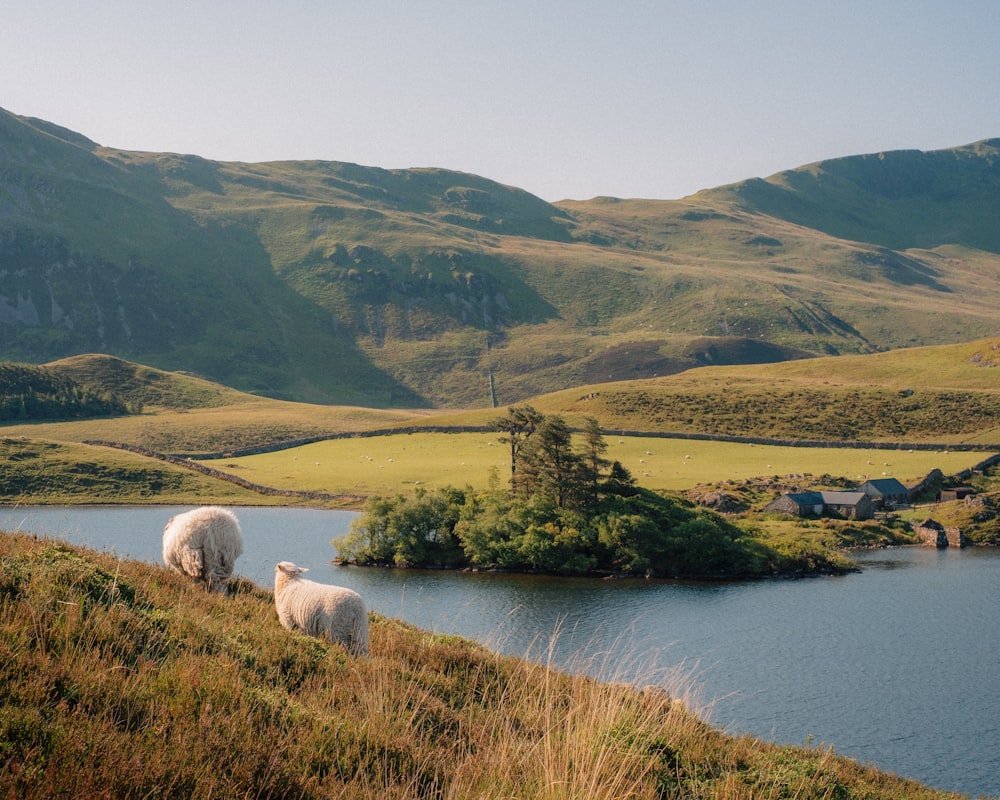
<point>336,612</point>
<point>204,544</point>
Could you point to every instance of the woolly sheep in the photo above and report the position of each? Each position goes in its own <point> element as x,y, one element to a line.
<point>336,612</point>
<point>204,543</point>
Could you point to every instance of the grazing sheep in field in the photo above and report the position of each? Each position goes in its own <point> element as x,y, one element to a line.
<point>204,544</point>
<point>336,612</point>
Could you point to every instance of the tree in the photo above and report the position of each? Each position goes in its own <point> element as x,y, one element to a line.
<point>368,541</point>
<point>551,469</point>
<point>519,424</point>
<point>619,481</point>
<point>592,459</point>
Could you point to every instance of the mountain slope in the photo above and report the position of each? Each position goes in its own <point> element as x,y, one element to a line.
<point>94,259</point>
<point>900,200</point>
<point>333,282</point>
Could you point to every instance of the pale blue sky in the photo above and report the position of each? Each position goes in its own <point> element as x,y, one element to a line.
<point>563,99</point>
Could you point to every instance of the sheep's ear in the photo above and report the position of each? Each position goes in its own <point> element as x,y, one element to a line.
<point>303,569</point>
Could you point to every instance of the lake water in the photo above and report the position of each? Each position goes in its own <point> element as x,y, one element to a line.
<point>896,666</point>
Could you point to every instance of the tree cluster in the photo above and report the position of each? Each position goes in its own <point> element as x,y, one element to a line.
<point>567,510</point>
<point>33,393</point>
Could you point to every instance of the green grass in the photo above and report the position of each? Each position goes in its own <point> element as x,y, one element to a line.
<point>145,386</point>
<point>34,471</point>
<point>399,463</point>
<point>338,283</point>
<point>942,395</point>
<point>124,680</point>
<point>946,394</point>
<point>249,423</point>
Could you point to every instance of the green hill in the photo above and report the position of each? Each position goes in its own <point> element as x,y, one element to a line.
<point>144,386</point>
<point>945,394</point>
<point>900,200</point>
<point>948,394</point>
<point>29,393</point>
<point>333,282</point>
<point>124,680</point>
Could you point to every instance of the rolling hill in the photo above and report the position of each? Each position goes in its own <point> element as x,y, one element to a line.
<point>938,395</point>
<point>337,283</point>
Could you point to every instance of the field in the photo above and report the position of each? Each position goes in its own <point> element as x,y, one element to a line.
<point>397,464</point>
<point>943,397</point>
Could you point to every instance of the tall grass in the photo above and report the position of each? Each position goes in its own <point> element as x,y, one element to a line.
<point>123,680</point>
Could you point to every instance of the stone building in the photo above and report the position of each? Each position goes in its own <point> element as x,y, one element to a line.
<point>848,505</point>
<point>887,493</point>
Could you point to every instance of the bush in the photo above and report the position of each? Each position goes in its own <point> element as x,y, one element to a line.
<point>642,534</point>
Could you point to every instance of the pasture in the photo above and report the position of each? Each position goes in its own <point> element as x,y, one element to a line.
<point>398,464</point>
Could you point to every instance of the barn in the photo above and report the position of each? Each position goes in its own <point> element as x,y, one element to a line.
<point>886,492</point>
<point>849,505</point>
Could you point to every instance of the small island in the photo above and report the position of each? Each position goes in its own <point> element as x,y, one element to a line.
<point>566,511</point>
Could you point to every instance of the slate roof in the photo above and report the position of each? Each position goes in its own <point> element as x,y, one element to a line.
<point>806,498</point>
<point>887,486</point>
<point>842,498</point>
<point>826,498</point>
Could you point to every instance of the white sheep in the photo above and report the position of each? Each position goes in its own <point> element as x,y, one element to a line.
<point>204,543</point>
<point>336,612</point>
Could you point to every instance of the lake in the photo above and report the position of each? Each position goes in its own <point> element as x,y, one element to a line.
<point>897,666</point>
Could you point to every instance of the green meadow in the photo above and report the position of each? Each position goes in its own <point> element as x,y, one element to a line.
<point>399,463</point>
<point>941,397</point>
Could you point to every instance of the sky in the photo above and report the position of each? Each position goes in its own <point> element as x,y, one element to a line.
<point>567,99</point>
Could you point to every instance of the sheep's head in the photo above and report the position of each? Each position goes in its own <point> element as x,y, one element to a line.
<point>217,583</point>
<point>286,571</point>
<point>289,569</point>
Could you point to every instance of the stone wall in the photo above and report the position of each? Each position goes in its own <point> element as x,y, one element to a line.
<point>935,534</point>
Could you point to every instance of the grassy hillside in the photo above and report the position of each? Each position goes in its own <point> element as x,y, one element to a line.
<point>333,282</point>
<point>943,395</point>
<point>28,392</point>
<point>144,386</point>
<point>37,471</point>
<point>901,200</point>
<point>122,680</point>
<point>947,394</point>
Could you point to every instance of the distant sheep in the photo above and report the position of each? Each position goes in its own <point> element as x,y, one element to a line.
<point>336,612</point>
<point>204,544</point>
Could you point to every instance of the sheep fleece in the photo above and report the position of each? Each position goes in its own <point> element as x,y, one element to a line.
<point>319,610</point>
<point>203,543</point>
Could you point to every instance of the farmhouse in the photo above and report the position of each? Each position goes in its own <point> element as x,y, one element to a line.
<point>798,504</point>
<point>850,505</point>
<point>886,492</point>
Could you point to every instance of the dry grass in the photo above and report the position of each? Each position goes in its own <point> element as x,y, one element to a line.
<point>123,680</point>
